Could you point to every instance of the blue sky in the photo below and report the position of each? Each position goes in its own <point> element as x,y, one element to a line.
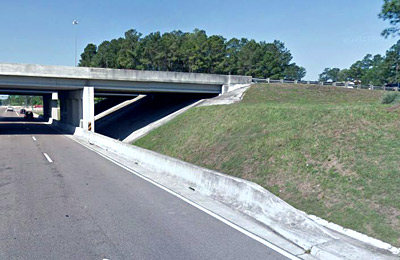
<point>318,33</point>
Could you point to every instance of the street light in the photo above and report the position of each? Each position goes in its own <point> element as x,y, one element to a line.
<point>75,22</point>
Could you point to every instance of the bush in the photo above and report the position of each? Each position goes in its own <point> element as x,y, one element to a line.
<point>390,98</point>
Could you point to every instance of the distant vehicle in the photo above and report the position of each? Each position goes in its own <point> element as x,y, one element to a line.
<point>392,86</point>
<point>10,108</point>
<point>350,84</point>
<point>22,111</point>
<point>28,115</point>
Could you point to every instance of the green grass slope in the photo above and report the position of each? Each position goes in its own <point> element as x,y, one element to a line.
<point>329,151</point>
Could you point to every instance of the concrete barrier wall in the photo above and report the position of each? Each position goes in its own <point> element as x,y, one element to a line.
<point>245,196</point>
<point>35,70</point>
<point>306,231</point>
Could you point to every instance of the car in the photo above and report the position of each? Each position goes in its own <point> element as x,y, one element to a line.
<point>28,115</point>
<point>22,111</point>
<point>10,108</point>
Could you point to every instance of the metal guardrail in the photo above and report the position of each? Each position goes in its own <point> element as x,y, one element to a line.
<point>334,84</point>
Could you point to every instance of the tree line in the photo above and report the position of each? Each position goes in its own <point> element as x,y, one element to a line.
<point>18,100</point>
<point>193,52</point>
<point>374,69</point>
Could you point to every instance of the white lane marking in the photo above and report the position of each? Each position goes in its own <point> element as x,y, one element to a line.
<point>34,138</point>
<point>17,113</point>
<point>48,157</point>
<point>223,220</point>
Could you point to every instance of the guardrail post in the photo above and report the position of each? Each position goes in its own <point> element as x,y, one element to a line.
<point>334,84</point>
<point>268,80</point>
<point>295,82</point>
<point>371,87</point>
<point>396,89</point>
<point>281,80</point>
<point>384,87</point>
<point>321,83</point>
<point>308,82</point>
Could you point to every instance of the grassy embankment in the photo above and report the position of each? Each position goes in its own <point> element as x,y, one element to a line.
<point>329,151</point>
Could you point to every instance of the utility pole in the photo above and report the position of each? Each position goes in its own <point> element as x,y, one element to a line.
<point>75,22</point>
<point>397,73</point>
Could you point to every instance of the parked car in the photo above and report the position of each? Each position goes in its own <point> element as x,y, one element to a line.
<point>10,108</point>
<point>28,115</point>
<point>22,111</point>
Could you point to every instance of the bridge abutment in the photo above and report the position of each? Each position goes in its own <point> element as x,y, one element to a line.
<point>50,106</point>
<point>77,108</point>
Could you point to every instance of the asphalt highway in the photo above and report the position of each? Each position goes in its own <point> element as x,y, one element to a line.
<point>59,200</point>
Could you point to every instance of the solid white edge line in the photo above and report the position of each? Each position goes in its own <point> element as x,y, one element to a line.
<point>218,217</point>
<point>48,157</point>
<point>34,138</point>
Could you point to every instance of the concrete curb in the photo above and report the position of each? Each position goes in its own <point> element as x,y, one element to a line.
<point>356,235</point>
<point>235,94</point>
<point>308,232</point>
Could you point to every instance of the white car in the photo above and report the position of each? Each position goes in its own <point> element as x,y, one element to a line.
<point>10,108</point>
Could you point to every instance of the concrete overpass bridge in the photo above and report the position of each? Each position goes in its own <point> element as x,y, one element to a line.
<point>76,87</point>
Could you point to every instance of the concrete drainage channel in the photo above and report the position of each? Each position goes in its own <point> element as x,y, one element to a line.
<point>316,238</point>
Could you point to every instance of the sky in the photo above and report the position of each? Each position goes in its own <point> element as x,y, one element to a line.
<point>319,34</point>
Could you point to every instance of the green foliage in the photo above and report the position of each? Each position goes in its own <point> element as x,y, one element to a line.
<point>194,52</point>
<point>391,11</point>
<point>343,75</point>
<point>332,152</point>
<point>375,70</point>
<point>329,74</point>
<point>390,98</point>
<point>390,66</point>
<point>16,100</point>
<point>87,56</point>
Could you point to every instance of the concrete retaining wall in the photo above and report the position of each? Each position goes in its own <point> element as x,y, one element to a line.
<point>244,196</point>
<point>306,231</point>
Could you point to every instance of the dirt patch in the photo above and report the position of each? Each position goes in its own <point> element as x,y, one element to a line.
<point>394,108</point>
<point>333,163</point>
<point>392,214</point>
<point>308,188</point>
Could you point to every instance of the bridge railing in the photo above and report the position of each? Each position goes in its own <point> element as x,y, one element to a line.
<point>326,83</point>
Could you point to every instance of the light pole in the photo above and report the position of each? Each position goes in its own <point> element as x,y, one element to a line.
<point>75,22</point>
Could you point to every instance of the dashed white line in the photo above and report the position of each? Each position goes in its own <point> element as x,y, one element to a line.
<point>48,157</point>
<point>34,138</point>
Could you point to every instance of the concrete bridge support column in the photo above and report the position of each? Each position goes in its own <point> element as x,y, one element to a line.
<point>71,107</point>
<point>50,106</point>
<point>88,108</point>
<point>77,108</point>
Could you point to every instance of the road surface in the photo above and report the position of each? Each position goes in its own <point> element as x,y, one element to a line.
<point>59,200</point>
